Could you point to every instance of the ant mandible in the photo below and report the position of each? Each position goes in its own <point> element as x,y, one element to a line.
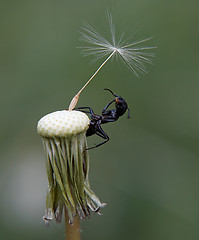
<point>107,116</point>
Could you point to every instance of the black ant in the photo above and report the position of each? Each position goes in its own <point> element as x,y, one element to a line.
<point>107,116</point>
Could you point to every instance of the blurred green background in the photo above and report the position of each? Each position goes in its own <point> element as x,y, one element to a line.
<point>148,172</point>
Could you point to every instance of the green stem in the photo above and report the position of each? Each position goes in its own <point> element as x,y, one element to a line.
<point>72,230</point>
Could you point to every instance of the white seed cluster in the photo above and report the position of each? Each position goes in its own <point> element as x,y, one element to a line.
<point>63,123</point>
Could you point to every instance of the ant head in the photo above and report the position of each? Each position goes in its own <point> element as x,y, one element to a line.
<point>120,104</point>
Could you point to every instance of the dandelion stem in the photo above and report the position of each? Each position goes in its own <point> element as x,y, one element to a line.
<point>72,231</point>
<point>76,97</point>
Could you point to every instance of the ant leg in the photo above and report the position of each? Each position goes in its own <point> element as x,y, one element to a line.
<point>101,134</point>
<point>83,111</point>
<point>107,106</point>
<point>109,119</point>
<point>81,108</point>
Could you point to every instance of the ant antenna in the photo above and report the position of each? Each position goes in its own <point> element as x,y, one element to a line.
<point>128,113</point>
<point>111,92</point>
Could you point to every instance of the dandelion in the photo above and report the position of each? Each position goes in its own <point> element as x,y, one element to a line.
<point>67,162</point>
<point>64,137</point>
<point>135,55</point>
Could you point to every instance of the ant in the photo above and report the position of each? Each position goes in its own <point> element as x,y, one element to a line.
<point>107,116</point>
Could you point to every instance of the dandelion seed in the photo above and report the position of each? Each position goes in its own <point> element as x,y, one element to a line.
<point>134,54</point>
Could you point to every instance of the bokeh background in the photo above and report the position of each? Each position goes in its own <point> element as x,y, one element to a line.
<point>149,172</point>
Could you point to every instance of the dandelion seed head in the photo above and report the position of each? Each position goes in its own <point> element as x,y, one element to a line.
<point>62,123</point>
<point>67,163</point>
<point>134,54</point>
